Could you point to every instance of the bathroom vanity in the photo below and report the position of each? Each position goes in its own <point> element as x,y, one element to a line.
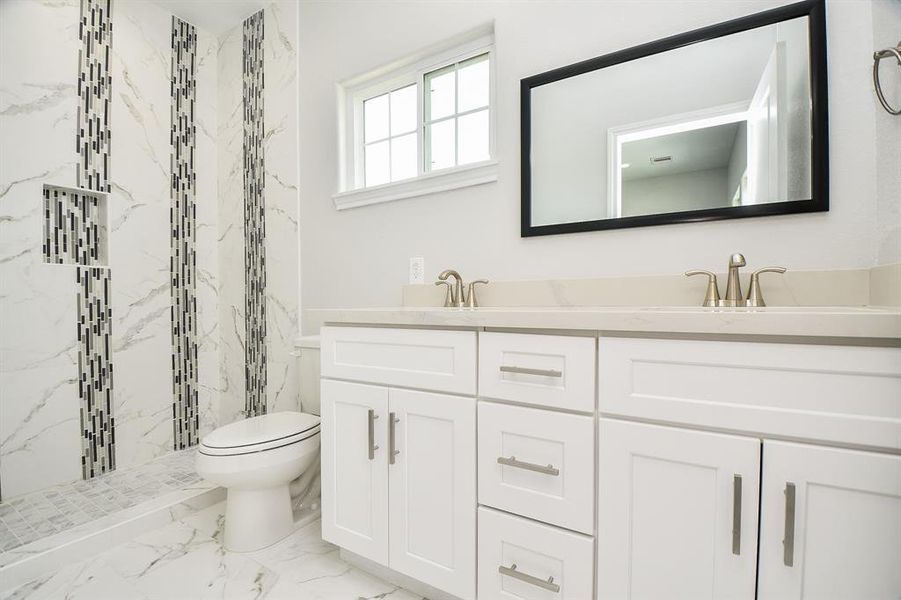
<point>616,452</point>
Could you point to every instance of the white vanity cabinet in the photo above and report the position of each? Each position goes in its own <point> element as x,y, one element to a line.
<point>677,512</point>
<point>398,465</point>
<point>512,465</point>
<point>673,519</point>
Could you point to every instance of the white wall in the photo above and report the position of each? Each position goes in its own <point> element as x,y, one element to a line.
<point>887,33</point>
<point>360,257</point>
<point>692,190</point>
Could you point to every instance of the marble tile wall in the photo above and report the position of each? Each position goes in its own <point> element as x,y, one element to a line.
<point>39,411</point>
<point>40,439</point>
<point>280,144</point>
<point>40,431</point>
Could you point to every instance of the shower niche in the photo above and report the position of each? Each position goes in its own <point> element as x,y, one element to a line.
<point>76,227</point>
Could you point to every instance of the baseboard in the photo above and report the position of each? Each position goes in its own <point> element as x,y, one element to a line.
<point>392,576</point>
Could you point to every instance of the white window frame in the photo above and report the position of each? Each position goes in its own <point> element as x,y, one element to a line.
<point>351,95</point>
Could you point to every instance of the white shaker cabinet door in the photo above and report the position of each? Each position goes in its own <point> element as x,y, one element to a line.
<point>433,490</point>
<point>830,523</point>
<point>355,468</point>
<point>677,513</point>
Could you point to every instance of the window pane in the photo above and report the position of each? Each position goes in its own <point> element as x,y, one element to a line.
<point>403,110</point>
<point>441,144</point>
<point>375,118</point>
<point>472,137</point>
<point>403,157</point>
<point>377,164</point>
<point>472,81</point>
<point>440,93</point>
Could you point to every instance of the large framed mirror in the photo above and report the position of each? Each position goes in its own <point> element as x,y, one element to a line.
<point>723,122</point>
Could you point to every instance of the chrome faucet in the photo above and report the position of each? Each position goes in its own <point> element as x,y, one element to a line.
<point>733,283</point>
<point>734,296</point>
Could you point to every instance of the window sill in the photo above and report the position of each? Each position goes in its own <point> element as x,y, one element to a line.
<point>432,183</point>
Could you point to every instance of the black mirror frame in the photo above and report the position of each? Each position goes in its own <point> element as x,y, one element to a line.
<point>815,10</point>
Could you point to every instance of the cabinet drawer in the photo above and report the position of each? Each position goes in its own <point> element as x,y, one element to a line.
<point>537,463</point>
<point>545,370</point>
<point>840,394</point>
<point>539,553</point>
<point>444,361</point>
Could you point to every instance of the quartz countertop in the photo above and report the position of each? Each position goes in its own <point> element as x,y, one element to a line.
<point>875,323</point>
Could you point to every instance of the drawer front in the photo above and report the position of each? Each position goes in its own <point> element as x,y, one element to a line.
<point>841,394</point>
<point>544,370</point>
<point>538,464</point>
<point>539,553</point>
<point>443,361</point>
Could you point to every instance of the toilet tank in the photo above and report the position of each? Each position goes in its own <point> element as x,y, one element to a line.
<point>306,350</point>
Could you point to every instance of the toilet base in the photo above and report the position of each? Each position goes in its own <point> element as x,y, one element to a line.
<point>255,519</point>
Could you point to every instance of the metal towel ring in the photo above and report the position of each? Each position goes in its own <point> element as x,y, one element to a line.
<point>877,56</point>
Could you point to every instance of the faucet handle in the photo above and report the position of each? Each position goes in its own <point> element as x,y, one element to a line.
<point>755,296</point>
<point>448,293</point>
<point>712,297</point>
<point>471,301</point>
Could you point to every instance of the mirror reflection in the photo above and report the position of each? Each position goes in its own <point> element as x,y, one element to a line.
<point>718,124</point>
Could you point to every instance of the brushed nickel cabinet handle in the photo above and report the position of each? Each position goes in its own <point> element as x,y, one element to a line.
<point>529,371</point>
<point>736,515</point>
<point>372,446</point>
<point>530,579</point>
<point>392,439</point>
<point>527,466</point>
<point>788,541</point>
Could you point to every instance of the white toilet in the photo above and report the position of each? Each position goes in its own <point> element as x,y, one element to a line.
<point>255,460</point>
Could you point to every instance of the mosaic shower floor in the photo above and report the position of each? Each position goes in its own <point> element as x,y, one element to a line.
<point>25,519</point>
<point>185,560</point>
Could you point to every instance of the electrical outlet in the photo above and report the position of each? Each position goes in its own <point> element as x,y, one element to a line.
<point>417,269</point>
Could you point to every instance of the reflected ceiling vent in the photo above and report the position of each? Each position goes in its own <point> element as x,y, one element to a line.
<point>661,159</point>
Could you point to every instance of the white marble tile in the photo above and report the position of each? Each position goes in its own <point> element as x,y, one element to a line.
<point>88,580</point>
<point>231,225</point>
<point>207,231</point>
<point>140,232</point>
<point>37,301</point>
<point>280,115</point>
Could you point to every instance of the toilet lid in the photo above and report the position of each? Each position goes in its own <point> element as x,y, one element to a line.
<point>262,430</point>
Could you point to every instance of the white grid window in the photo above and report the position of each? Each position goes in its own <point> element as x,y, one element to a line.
<point>457,121</point>
<point>389,136</point>
<point>430,120</point>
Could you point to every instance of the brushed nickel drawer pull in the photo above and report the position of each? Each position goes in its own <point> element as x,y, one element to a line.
<point>527,466</point>
<point>392,441</point>
<point>529,371</point>
<point>372,446</point>
<point>788,541</point>
<point>736,515</point>
<point>530,579</point>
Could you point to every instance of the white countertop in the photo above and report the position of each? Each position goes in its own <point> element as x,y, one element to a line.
<point>798,321</point>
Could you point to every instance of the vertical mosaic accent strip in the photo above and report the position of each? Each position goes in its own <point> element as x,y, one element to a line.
<point>95,380</point>
<point>95,31</point>
<point>95,366</point>
<point>183,257</point>
<point>254,220</point>
<point>74,227</point>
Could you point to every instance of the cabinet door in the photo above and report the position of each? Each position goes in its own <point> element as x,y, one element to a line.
<point>677,513</point>
<point>830,523</point>
<point>354,468</point>
<point>433,490</point>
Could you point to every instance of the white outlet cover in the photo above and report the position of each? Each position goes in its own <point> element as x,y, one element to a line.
<point>417,269</point>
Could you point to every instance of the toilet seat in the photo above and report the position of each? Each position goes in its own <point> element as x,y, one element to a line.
<point>258,434</point>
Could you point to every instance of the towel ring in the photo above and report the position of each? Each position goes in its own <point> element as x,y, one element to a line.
<point>877,56</point>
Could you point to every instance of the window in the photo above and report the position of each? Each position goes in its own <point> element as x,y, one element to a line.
<point>456,114</point>
<point>420,127</point>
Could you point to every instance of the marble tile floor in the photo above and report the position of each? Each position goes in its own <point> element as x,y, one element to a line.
<point>185,560</point>
<point>25,519</point>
